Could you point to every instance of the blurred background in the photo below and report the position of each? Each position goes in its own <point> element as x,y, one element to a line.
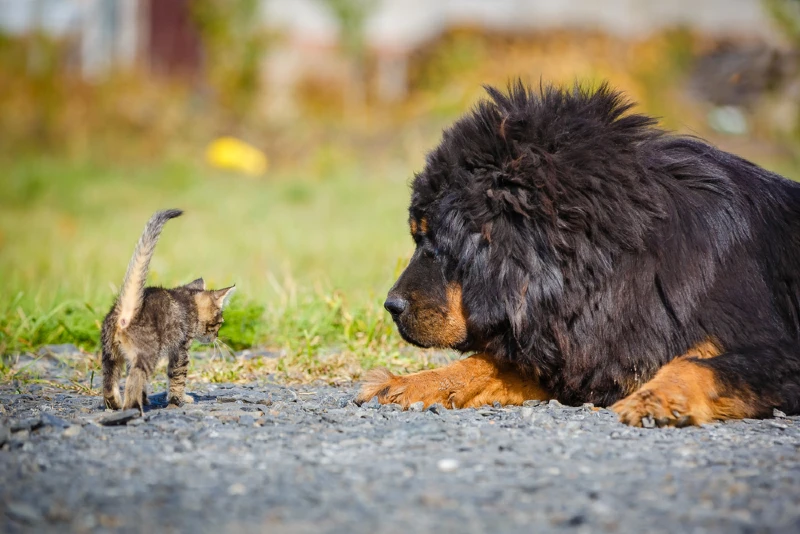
<point>289,131</point>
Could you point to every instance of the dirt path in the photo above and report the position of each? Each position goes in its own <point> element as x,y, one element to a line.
<point>277,459</point>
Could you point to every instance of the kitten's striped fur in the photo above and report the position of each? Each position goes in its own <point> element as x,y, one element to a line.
<point>149,323</point>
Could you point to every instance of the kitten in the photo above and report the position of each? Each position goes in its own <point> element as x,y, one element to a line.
<point>148,323</point>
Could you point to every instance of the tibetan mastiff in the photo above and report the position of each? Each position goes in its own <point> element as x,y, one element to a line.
<point>585,255</point>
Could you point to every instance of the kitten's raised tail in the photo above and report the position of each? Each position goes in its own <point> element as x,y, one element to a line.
<point>130,297</point>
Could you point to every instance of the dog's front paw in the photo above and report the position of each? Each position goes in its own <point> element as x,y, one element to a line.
<point>657,407</point>
<point>402,390</point>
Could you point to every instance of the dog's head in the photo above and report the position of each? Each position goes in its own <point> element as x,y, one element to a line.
<point>506,223</point>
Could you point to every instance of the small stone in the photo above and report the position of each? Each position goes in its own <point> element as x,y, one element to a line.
<point>393,407</point>
<point>52,420</point>
<point>572,425</point>
<point>437,408</point>
<point>526,412</point>
<point>555,404</point>
<point>531,403</point>
<point>23,512</point>
<point>344,402</point>
<point>237,489</point>
<point>5,434</point>
<point>416,407</point>
<point>31,423</point>
<point>21,436</point>
<point>372,404</point>
<point>447,465</point>
<point>648,422</point>
<point>184,446</point>
<point>587,405</point>
<point>121,417</point>
<point>247,420</point>
<point>777,413</point>
<point>71,431</point>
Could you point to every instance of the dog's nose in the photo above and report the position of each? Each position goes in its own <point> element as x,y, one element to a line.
<point>395,305</point>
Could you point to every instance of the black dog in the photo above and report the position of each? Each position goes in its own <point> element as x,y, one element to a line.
<point>588,256</point>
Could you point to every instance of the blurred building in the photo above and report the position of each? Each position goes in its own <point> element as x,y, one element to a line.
<point>396,28</point>
<point>158,34</point>
<point>113,34</point>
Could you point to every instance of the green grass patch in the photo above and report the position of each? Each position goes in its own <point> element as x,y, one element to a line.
<point>312,251</point>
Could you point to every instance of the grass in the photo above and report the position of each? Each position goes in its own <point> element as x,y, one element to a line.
<point>312,252</point>
<point>312,246</point>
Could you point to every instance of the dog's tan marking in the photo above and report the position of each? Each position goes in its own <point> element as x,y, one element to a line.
<point>685,392</point>
<point>443,327</point>
<point>471,382</point>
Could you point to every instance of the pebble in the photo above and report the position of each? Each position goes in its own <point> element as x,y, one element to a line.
<point>416,406</point>
<point>23,512</point>
<point>447,465</point>
<point>52,420</point>
<point>323,463</point>
<point>372,404</point>
<point>71,431</point>
<point>247,420</point>
<point>120,417</point>
<point>237,489</point>
<point>437,408</point>
<point>31,423</point>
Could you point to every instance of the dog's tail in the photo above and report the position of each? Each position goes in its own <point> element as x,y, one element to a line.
<point>132,292</point>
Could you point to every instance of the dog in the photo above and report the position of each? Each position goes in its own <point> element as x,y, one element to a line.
<point>583,254</point>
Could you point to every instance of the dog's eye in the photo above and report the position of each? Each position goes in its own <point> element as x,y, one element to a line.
<point>431,252</point>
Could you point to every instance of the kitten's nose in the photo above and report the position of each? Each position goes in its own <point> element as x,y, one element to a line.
<point>395,305</point>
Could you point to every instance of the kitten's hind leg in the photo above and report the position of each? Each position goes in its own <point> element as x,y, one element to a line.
<point>145,397</point>
<point>136,383</point>
<point>113,363</point>
<point>177,369</point>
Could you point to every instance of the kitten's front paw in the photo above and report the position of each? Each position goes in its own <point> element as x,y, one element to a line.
<point>175,402</point>
<point>178,402</point>
<point>112,403</point>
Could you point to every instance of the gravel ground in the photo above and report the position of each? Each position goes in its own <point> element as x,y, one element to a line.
<point>269,458</point>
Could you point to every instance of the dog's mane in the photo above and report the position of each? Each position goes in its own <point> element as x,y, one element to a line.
<point>557,203</point>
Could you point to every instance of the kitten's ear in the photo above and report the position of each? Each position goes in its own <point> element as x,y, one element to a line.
<point>196,284</point>
<point>222,296</point>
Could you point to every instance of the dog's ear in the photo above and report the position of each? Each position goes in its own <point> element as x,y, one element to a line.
<point>513,279</point>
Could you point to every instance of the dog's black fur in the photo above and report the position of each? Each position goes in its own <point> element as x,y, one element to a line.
<point>591,248</point>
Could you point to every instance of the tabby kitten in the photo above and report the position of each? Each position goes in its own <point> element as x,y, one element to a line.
<point>148,323</point>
